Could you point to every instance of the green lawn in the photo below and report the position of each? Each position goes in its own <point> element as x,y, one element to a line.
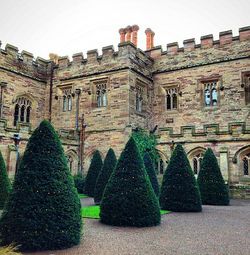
<point>82,196</point>
<point>92,212</point>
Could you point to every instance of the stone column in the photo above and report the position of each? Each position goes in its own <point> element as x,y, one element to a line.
<point>135,29</point>
<point>224,163</point>
<point>122,33</point>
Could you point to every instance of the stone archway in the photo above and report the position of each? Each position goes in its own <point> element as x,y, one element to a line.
<point>195,157</point>
<point>72,160</point>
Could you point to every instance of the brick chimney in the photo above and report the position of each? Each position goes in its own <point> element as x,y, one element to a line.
<point>135,29</point>
<point>128,30</point>
<point>149,38</point>
<point>122,33</point>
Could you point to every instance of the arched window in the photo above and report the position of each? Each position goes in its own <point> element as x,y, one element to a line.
<point>101,95</point>
<point>28,114</point>
<point>171,99</point>
<point>16,114</point>
<point>69,103</point>
<point>210,93</point>
<point>197,163</point>
<point>138,99</point>
<point>246,164</point>
<point>64,103</point>
<point>22,110</point>
<point>22,113</point>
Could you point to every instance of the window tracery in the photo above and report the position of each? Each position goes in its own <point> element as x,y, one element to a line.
<point>22,110</point>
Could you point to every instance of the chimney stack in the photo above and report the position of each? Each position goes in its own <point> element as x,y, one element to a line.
<point>149,38</point>
<point>135,29</point>
<point>122,33</point>
<point>128,30</point>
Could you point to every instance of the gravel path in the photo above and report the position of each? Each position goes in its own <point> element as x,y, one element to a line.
<point>218,230</point>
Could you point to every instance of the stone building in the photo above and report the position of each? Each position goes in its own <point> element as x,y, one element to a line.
<point>197,95</point>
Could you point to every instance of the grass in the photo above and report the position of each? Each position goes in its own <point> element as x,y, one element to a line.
<point>82,196</point>
<point>92,212</point>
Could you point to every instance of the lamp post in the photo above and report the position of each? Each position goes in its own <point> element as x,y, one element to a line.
<point>17,139</point>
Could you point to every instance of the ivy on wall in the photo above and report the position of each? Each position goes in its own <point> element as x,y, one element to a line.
<point>146,142</point>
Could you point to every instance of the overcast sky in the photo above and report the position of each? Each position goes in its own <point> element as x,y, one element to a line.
<point>66,27</point>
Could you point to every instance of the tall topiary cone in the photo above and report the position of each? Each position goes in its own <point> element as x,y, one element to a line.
<point>5,185</point>
<point>104,175</point>
<point>212,186</point>
<point>129,199</point>
<point>179,191</point>
<point>92,175</point>
<point>149,165</point>
<point>43,211</point>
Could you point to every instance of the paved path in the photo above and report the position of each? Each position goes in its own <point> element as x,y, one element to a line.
<point>217,230</point>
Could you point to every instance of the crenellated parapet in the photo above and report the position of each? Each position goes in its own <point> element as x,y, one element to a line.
<point>208,51</point>
<point>213,133</point>
<point>127,57</point>
<point>23,63</point>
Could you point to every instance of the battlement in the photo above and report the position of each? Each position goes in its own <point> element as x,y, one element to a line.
<point>225,39</point>
<point>127,56</point>
<point>23,62</point>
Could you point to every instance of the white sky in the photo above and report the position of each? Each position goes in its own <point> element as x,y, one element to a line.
<point>66,27</point>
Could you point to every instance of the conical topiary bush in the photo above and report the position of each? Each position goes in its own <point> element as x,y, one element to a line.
<point>149,165</point>
<point>212,186</point>
<point>104,175</point>
<point>179,191</point>
<point>129,199</point>
<point>5,185</point>
<point>43,211</point>
<point>92,175</point>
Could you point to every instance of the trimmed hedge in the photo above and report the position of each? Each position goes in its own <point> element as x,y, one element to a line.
<point>43,211</point>
<point>129,199</point>
<point>179,191</point>
<point>104,175</point>
<point>212,186</point>
<point>79,182</point>
<point>5,186</point>
<point>92,175</point>
<point>149,166</point>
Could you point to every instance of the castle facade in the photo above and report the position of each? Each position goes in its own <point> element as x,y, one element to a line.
<point>197,95</point>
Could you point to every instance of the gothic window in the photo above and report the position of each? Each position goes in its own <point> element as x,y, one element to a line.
<point>101,94</point>
<point>64,103</point>
<point>246,84</point>
<point>197,163</point>
<point>28,114</point>
<point>246,164</point>
<point>171,99</point>
<point>16,114</point>
<point>210,93</point>
<point>22,110</point>
<point>67,100</point>
<point>69,103</point>
<point>138,99</point>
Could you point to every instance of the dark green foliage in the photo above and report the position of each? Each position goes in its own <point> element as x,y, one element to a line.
<point>79,183</point>
<point>5,186</point>
<point>129,199</point>
<point>146,143</point>
<point>212,186</point>
<point>92,175</point>
<point>104,175</point>
<point>179,191</point>
<point>43,211</point>
<point>149,165</point>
